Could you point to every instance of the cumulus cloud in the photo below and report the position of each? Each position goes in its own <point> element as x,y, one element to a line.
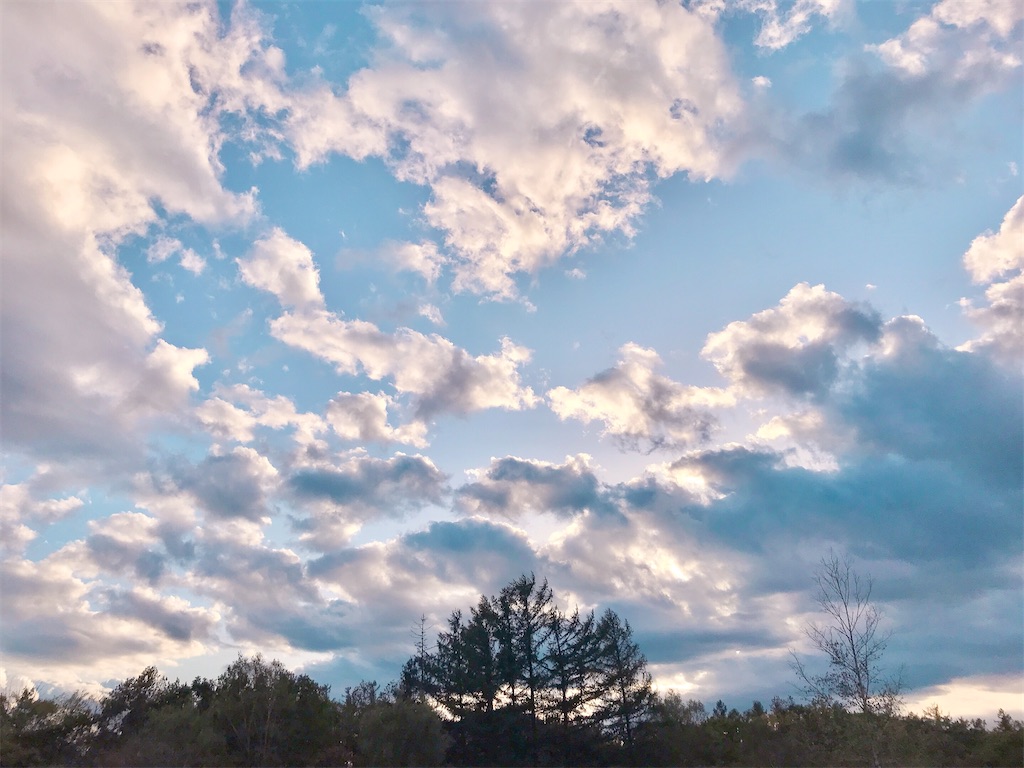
<point>127,543</point>
<point>57,625</point>
<point>924,400</point>
<point>512,487</point>
<point>998,259</point>
<point>23,513</point>
<point>638,406</point>
<point>896,101</point>
<point>229,485</point>
<point>431,572</point>
<point>795,348</point>
<point>439,375</point>
<point>123,123</point>
<point>238,410</point>
<point>362,488</point>
<point>541,143</point>
<point>363,417</point>
<point>965,41</point>
<point>284,267</point>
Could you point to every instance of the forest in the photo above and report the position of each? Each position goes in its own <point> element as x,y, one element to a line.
<point>514,681</point>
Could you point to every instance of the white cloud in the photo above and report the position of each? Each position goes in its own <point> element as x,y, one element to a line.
<point>432,313</point>
<point>363,417</point>
<point>441,376</point>
<point>192,261</point>
<point>992,255</point>
<point>73,631</point>
<point>795,347</point>
<point>639,406</point>
<point>779,30</point>
<point>536,152</point>
<point>164,247</point>
<point>998,259</point>
<point>226,420</point>
<point>122,121</point>
<point>422,258</point>
<point>284,267</point>
<point>21,514</point>
<point>964,42</point>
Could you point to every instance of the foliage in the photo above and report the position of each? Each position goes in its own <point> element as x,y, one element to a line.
<point>517,681</point>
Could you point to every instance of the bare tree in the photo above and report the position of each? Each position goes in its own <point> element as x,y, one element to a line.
<point>854,642</point>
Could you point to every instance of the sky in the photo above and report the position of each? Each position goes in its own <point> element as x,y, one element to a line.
<point>319,317</point>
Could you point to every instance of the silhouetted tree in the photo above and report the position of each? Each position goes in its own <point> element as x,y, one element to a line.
<point>627,697</point>
<point>853,642</point>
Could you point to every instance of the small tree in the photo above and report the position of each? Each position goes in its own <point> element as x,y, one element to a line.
<point>854,642</point>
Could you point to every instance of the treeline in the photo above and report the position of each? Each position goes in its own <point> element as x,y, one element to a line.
<point>516,681</point>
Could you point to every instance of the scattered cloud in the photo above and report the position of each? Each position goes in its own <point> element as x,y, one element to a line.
<point>639,407</point>
<point>511,487</point>
<point>362,488</point>
<point>284,267</point>
<point>363,417</point>
<point>794,348</point>
<point>441,377</point>
<point>998,259</point>
<point>455,118</point>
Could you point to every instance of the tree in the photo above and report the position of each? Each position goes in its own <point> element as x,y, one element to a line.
<point>574,649</point>
<point>271,716</point>
<point>525,607</point>
<point>403,732</point>
<point>35,731</point>
<point>853,641</point>
<point>628,697</point>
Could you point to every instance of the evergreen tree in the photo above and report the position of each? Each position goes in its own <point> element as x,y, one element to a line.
<point>627,696</point>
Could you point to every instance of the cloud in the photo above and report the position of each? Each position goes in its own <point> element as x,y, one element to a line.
<point>265,596</point>
<point>778,30</point>
<point>924,401</point>
<point>128,543</point>
<point>539,143</point>
<point>638,406</point>
<point>423,258</point>
<point>432,313</point>
<point>963,41</point>
<point>164,247</point>
<point>22,513</point>
<point>363,417</point>
<point>992,256</point>
<point>174,617</point>
<point>234,484</point>
<point>284,267</point>
<point>512,487</point>
<point>125,123</point>
<point>57,626</point>
<point>894,102</point>
<point>361,489</point>
<point>433,572</point>
<point>794,348</point>
<point>237,410</point>
<point>441,377</point>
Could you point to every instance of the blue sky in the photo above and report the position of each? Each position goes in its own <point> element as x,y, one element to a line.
<point>318,317</point>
